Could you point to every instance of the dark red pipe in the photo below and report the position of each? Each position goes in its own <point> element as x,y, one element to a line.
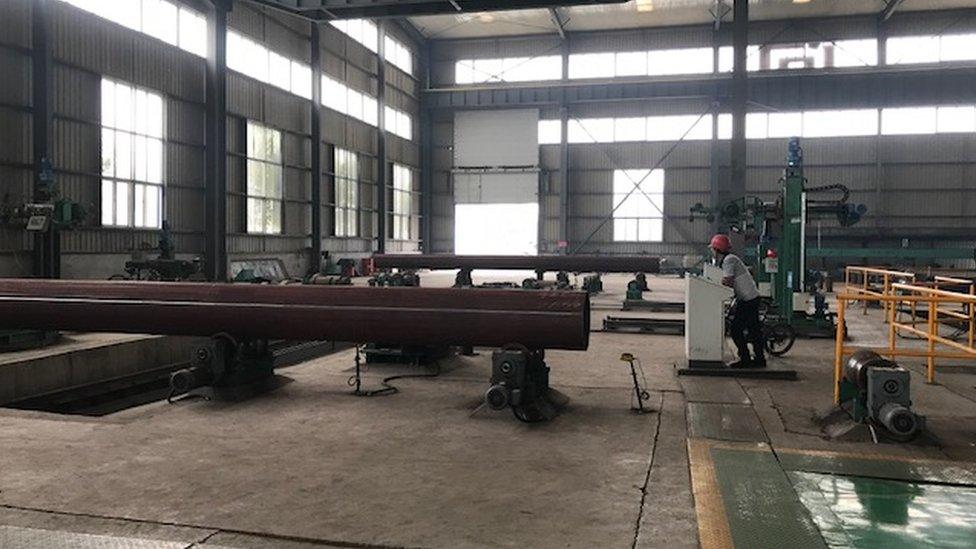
<point>568,263</point>
<point>409,316</point>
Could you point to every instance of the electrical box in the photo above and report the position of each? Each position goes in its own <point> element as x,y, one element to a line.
<point>705,319</point>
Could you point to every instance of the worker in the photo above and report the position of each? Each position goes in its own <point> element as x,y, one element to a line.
<point>745,326</point>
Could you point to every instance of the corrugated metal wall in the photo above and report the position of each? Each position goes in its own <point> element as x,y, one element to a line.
<point>86,47</point>
<point>15,139</point>
<point>920,187</point>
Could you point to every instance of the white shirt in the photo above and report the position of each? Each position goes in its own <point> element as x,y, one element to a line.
<point>742,282</point>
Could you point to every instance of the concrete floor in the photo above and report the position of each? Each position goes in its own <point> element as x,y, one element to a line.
<point>309,465</point>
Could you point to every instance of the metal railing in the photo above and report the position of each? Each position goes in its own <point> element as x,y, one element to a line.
<point>873,281</point>
<point>933,302</point>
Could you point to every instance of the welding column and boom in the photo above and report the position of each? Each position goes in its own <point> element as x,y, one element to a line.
<point>407,316</point>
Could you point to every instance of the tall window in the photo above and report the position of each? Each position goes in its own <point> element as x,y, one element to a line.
<point>640,215</point>
<point>346,193</point>
<point>132,156</point>
<point>402,201</point>
<point>264,179</point>
<point>168,21</point>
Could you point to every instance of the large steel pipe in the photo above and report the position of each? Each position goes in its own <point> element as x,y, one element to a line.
<point>568,263</point>
<point>409,316</point>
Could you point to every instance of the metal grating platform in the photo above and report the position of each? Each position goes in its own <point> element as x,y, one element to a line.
<point>14,537</point>
<point>724,422</point>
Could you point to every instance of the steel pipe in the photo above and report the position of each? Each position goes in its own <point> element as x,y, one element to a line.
<point>407,316</point>
<point>568,263</point>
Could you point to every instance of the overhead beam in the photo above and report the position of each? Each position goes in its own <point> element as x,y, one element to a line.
<point>899,85</point>
<point>571,263</point>
<point>351,9</point>
<point>557,22</point>
<point>889,9</point>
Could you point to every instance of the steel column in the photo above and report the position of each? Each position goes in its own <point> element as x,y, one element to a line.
<point>426,157</point>
<point>47,244</point>
<point>382,171</point>
<point>216,142</point>
<point>408,316</point>
<point>315,262</point>
<point>739,100</point>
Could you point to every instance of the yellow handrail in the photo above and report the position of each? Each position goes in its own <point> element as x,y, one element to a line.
<point>931,298</point>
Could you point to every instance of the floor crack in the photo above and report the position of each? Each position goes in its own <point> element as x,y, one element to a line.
<point>647,476</point>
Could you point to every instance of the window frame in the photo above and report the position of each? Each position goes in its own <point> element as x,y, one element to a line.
<point>402,204</point>
<point>636,210</point>
<point>253,160</point>
<point>345,190</point>
<point>133,133</point>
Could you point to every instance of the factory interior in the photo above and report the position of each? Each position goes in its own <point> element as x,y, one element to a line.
<point>389,274</point>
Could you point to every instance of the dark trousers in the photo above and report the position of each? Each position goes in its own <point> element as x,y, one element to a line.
<point>746,328</point>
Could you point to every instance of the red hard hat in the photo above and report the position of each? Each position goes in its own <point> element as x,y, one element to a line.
<point>721,243</point>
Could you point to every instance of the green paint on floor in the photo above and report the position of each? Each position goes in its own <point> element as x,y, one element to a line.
<point>868,513</point>
<point>960,473</point>
<point>762,509</point>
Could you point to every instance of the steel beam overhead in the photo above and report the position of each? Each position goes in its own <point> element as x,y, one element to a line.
<point>889,9</point>
<point>352,9</point>
<point>856,87</point>
<point>405,316</point>
<point>557,21</point>
<point>568,263</point>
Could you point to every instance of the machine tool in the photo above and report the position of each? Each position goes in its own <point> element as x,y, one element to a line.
<point>775,243</point>
<point>165,266</point>
<point>520,381</point>
<point>878,391</point>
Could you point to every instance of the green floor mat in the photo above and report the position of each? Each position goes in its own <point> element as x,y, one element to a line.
<point>868,513</point>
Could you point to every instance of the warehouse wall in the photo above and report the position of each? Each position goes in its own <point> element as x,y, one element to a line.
<point>85,47</point>
<point>919,187</point>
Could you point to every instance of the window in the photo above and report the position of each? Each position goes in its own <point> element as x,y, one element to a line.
<point>930,49</point>
<point>592,65</point>
<point>336,96</point>
<point>132,156</point>
<point>638,196</point>
<point>840,123</point>
<point>550,132</point>
<point>255,60</point>
<point>912,120</point>
<point>631,63</point>
<point>509,69</point>
<point>398,54</point>
<point>264,179</point>
<point>360,30</point>
<point>680,61</point>
<point>346,193</point>
<point>630,129</point>
<point>590,130</point>
<point>163,19</point>
<point>402,201</point>
<point>398,123</point>
<point>956,119</point>
<point>674,127</point>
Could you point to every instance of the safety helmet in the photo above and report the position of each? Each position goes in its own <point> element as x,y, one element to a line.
<point>721,243</point>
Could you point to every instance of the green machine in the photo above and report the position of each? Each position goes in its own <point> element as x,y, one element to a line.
<point>775,243</point>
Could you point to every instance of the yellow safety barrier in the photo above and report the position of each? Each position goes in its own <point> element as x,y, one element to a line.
<point>867,280</point>
<point>933,301</point>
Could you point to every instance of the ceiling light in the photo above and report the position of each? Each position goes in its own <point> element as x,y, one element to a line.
<point>645,5</point>
<point>486,18</point>
<point>801,1</point>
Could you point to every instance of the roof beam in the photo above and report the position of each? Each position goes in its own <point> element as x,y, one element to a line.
<point>557,22</point>
<point>350,9</point>
<point>889,9</point>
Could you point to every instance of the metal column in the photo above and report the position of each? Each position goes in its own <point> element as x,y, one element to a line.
<point>564,155</point>
<point>315,262</point>
<point>47,244</point>
<point>740,98</point>
<point>381,172</point>
<point>216,142</point>
<point>426,155</point>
